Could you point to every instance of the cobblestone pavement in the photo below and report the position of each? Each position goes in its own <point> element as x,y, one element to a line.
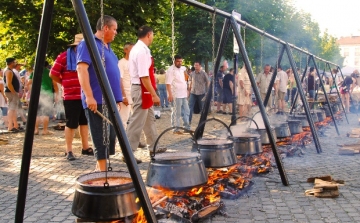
<point>52,178</point>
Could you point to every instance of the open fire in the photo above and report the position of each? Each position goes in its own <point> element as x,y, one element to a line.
<point>223,183</point>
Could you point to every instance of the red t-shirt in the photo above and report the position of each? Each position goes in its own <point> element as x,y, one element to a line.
<point>70,82</point>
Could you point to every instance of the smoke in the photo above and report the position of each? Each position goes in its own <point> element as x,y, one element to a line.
<point>46,103</point>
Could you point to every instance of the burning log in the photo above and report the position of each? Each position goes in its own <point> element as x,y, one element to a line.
<point>207,211</point>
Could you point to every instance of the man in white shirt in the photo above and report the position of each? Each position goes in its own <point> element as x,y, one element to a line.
<point>281,82</point>
<point>142,75</point>
<point>125,84</point>
<point>176,87</point>
<point>263,80</point>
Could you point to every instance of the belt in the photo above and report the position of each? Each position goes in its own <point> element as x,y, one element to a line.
<point>136,84</point>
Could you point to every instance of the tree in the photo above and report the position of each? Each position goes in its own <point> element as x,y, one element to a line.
<point>21,26</point>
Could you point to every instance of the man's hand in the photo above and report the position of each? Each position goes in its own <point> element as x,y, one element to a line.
<point>156,99</point>
<point>170,98</point>
<point>125,101</point>
<point>91,103</point>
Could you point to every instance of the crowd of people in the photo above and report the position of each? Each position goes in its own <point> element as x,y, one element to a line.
<point>137,87</point>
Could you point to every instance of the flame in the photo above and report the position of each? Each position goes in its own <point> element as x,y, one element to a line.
<point>212,198</point>
<point>140,217</point>
<point>195,191</point>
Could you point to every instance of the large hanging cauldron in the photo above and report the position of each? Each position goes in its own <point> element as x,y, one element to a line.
<point>295,126</point>
<point>216,152</point>
<point>176,171</point>
<point>264,138</point>
<point>247,144</point>
<point>282,130</point>
<point>326,109</point>
<point>302,118</point>
<point>98,202</point>
<point>320,114</point>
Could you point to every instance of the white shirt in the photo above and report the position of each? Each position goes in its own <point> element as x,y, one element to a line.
<point>139,62</point>
<point>264,81</point>
<point>125,78</point>
<point>176,78</point>
<point>282,77</point>
<point>2,99</point>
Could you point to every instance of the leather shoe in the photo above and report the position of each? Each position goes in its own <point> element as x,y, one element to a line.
<point>141,145</point>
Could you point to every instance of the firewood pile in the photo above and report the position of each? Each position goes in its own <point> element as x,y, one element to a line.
<point>349,149</point>
<point>324,187</point>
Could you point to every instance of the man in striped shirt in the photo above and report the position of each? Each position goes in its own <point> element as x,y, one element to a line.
<point>64,72</point>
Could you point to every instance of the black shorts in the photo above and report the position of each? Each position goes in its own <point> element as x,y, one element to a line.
<point>74,113</point>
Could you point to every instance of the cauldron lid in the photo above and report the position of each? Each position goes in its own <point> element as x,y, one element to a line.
<point>246,135</point>
<point>214,141</point>
<point>177,156</point>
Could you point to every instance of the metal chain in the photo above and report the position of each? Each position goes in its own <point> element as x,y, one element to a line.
<point>213,57</point>
<point>278,55</point>
<point>261,51</point>
<point>172,31</point>
<point>174,107</point>
<point>244,33</point>
<point>105,124</point>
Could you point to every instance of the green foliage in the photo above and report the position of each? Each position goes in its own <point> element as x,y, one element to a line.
<point>19,29</point>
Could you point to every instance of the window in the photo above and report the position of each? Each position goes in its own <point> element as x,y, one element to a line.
<point>346,52</point>
<point>357,62</point>
<point>357,51</point>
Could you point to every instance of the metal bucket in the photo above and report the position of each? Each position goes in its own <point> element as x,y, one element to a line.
<point>282,130</point>
<point>247,144</point>
<point>320,114</point>
<point>216,153</point>
<point>264,138</point>
<point>295,126</point>
<point>104,203</point>
<point>176,171</point>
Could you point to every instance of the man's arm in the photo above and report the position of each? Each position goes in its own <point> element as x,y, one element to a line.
<point>56,78</point>
<point>83,74</point>
<point>9,76</point>
<point>170,96</point>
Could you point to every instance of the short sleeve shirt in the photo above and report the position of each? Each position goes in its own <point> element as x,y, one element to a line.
<point>112,71</point>
<point>264,81</point>
<point>176,78</point>
<point>283,80</point>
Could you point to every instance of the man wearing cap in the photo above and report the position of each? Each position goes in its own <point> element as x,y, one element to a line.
<point>64,72</point>
<point>12,93</point>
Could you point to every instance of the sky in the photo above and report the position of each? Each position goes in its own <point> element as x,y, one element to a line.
<point>339,17</point>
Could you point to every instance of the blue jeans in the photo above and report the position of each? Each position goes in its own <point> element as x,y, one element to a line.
<point>312,94</point>
<point>195,99</point>
<point>163,95</point>
<point>182,110</point>
<point>95,123</point>
<point>293,93</point>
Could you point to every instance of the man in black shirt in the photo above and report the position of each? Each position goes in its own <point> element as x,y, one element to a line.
<point>219,88</point>
<point>12,93</point>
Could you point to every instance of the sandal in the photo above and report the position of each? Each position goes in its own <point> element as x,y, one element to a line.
<point>89,152</point>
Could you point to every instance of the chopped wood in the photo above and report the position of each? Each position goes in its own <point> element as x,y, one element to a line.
<point>156,203</point>
<point>349,150</point>
<point>327,194</point>
<point>325,178</point>
<point>207,211</point>
<point>326,185</point>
